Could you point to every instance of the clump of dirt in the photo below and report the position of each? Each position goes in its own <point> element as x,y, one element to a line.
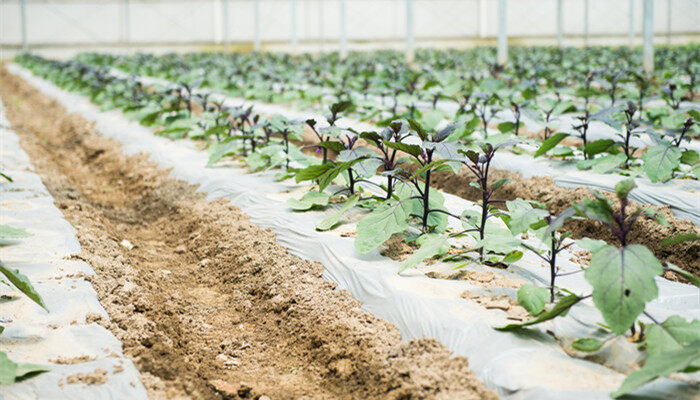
<point>96,377</point>
<point>479,278</point>
<point>543,189</point>
<point>503,302</point>
<point>396,248</point>
<point>206,302</point>
<point>73,360</point>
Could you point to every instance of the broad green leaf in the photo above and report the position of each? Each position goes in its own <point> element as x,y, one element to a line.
<point>660,161</point>
<point>388,218</point>
<point>687,275</point>
<point>331,220</point>
<point>309,200</point>
<point>598,146</point>
<point>607,163</point>
<point>412,149</point>
<point>659,365</point>
<point>587,345</point>
<point>680,238</point>
<point>690,157</point>
<point>21,282</point>
<point>11,371</point>
<point>8,232</point>
<point>559,308</point>
<point>598,209</point>
<point>550,143</point>
<point>219,150</point>
<point>623,282</point>
<point>512,257</point>
<point>673,334</point>
<point>9,179</point>
<point>623,188</point>
<point>523,215</point>
<point>592,245</point>
<point>506,127</point>
<point>532,298</point>
<point>430,245</point>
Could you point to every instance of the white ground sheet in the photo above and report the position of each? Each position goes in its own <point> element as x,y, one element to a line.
<point>33,335</point>
<point>518,366</point>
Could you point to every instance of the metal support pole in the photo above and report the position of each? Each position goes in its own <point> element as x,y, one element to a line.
<point>295,38</point>
<point>502,35</point>
<point>321,34</point>
<point>648,33</point>
<point>256,25</point>
<point>23,10</point>
<point>409,32</point>
<point>481,18</point>
<point>224,14</point>
<point>127,25</point>
<point>668,21</point>
<point>343,31</point>
<point>560,26</point>
<point>585,23</point>
<point>630,34</point>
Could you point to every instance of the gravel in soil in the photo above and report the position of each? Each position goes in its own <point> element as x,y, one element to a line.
<point>206,303</point>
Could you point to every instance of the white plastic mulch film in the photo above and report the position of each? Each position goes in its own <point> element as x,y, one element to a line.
<point>61,339</point>
<point>517,366</point>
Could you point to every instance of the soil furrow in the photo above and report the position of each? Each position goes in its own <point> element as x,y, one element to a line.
<point>206,303</point>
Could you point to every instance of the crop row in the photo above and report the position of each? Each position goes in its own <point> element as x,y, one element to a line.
<point>388,173</point>
<point>563,92</point>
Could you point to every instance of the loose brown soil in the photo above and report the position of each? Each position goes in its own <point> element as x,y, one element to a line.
<point>206,304</point>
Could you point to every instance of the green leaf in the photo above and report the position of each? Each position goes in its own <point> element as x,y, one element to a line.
<point>559,308</point>
<point>690,157</point>
<point>430,246</point>
<point>523,215</point>
<point>623,282</point>
<point>680,238</point>
<point>11,372</point>
<point>549,144</point>
<point>659,365</point>
<point>673,334</point>
<point>219,150</point>
<point>6,177</point>
<point>412,149</point>
<point>532,298</point>
<point>598,209</point>
<point>598,146</point>
<point>512,257</point>
<point>592,245</point>
<point>324,173</point>
<point>8,232</point>
<point>687,275</point>
<point>623,188</point>
<point>332,145</point>
<point>376,228</point>
<point>505,127</point>
<point>309,200</point>
<point>21,282</point>
<point>660,161</point>
<point>331,220</point>
<point>587,345</point>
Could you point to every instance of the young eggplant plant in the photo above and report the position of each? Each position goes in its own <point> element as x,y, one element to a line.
<point>479,165</point>
<point>623,281</point>
<point>532,216</point>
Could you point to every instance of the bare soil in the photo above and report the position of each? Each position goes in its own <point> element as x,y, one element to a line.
<point>207,305</point>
